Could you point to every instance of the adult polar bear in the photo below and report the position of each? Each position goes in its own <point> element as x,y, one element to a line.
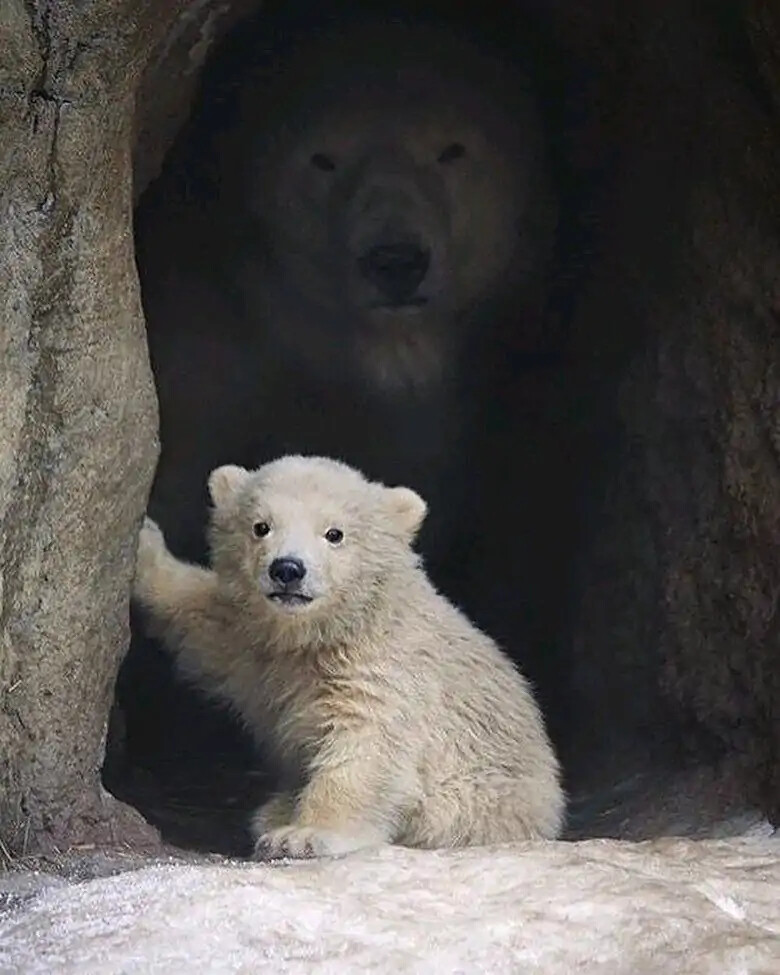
<point>380,219</point>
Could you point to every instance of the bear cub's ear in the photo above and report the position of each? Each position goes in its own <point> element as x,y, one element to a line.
<point>406,508</point>
<point>224,483</point>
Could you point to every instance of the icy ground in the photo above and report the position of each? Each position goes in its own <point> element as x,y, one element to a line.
<point>671,906</point>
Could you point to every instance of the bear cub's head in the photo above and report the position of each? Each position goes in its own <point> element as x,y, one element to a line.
<point>307,536</point>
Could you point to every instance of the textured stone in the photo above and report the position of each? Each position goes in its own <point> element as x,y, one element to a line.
<point>78,414</point>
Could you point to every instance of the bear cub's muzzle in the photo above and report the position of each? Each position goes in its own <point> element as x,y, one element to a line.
<point>287,573</point>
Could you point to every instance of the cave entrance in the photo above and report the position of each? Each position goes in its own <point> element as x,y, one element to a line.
<point>558,472</point>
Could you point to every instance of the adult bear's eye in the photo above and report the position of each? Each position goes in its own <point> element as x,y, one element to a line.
<point>323,162</point>
<point>452,152</point>
<point>334,535</point>
<point>261,529</point>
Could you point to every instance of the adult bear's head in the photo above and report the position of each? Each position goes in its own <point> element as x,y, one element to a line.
<point>393,186</point>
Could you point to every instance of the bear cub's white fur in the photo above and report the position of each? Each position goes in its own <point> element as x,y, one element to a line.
<point>394,719</point>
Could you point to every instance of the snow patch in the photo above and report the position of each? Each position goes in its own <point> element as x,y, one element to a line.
<point>706,907</point>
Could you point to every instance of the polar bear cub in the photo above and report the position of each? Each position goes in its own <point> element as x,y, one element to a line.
<point>392,717</point>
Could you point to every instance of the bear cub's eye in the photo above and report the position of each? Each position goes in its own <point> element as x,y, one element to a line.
<point>261,529</point>
<point>453,151</point>
<point>334,535</point>
<point>323,162</point>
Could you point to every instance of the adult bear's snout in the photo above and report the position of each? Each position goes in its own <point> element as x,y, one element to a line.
<point>395,269</point>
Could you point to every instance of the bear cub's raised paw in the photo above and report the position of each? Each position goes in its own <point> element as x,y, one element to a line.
<point>151,542</point>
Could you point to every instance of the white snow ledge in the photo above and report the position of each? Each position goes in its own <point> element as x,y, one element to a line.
<point>672,906</point>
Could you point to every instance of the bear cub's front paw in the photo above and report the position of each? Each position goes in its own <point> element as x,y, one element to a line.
<point>306,842</point>
<point>150,538</point>
<point>151,549</point>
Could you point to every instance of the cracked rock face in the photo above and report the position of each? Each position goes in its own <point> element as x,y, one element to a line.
<point>77,408</point>
<point>78,414</point>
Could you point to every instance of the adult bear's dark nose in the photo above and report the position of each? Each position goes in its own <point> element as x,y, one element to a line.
<point>396,270</point>
<point>286,571</point>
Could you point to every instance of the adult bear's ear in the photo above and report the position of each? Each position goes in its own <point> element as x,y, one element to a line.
<point>406,509</point>
<point>225,482</point>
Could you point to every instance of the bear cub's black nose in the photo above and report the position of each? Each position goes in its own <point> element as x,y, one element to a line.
<point>286,571</point>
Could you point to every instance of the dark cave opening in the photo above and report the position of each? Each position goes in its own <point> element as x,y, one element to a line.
<point>549,438</point>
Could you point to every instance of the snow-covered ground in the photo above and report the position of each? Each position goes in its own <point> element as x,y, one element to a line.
<point>671,906</point>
